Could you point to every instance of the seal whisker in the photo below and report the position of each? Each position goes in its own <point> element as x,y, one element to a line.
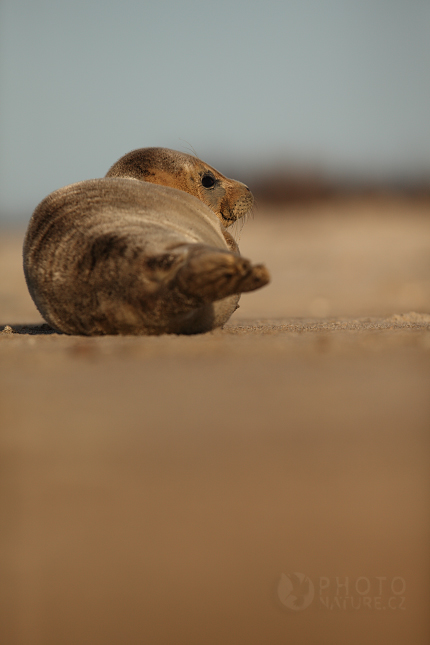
<point>190,147</point>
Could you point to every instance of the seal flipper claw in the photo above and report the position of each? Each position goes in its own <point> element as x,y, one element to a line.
<point>256,278</point>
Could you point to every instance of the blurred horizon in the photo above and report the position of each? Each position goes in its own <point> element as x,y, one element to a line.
<point>333,92</point>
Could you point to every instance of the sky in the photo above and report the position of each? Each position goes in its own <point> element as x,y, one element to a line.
<point>342,86</point>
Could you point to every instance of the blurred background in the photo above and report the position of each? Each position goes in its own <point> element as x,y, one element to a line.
<point>157,489</point>
<point>294,97</point>
<point>322,108</point>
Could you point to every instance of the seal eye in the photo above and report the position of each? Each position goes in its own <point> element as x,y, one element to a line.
<point>208,181</point>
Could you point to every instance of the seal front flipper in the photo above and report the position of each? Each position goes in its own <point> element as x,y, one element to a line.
<point>210,274</point>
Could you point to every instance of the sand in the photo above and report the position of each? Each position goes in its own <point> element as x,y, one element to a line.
<point>164,490</point>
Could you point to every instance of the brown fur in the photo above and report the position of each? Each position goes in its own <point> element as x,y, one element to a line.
<point>121,256</point>
<point>228,198</point>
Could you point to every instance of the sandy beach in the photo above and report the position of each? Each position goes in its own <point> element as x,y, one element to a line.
<point>166,489</point>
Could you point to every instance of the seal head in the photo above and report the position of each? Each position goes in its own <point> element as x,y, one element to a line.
<point>227,198</point>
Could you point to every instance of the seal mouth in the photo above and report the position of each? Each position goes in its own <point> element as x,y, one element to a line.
<point>229,219</point>
<point>241,209</point>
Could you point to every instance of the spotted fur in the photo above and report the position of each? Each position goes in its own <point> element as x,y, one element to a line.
<point>144,250</point>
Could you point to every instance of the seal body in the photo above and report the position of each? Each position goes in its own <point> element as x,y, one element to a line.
<point>144,250</point>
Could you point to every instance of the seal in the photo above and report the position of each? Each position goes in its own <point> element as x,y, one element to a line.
<point>144,250</point>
